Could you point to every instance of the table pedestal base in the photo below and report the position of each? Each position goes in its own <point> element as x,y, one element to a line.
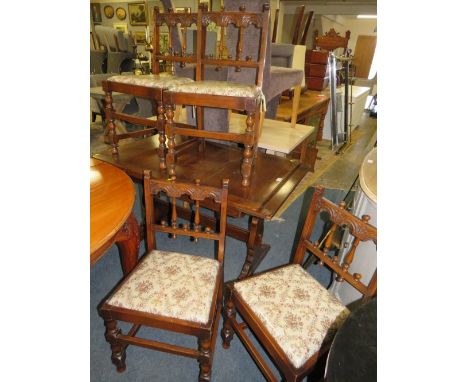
<point>128,242</point>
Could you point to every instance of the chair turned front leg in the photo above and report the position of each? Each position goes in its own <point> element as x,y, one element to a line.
<point>162,136</point>
<point>246,167</point>
<point>204,359</point>
<point>170,141</point>
<point>118,350</point>
<point>110,136</point>
<point>229,313</point>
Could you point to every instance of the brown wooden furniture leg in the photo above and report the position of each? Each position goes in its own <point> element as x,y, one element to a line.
<point>118,350</point>
<point>162,136</point>
<point>204,359</point>
<point>128,242</point>
<point>295,105</point>
<point>246,168</point>
<point>110,135</point>
<point>256,250</point>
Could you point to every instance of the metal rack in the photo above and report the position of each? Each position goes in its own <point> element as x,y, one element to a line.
<point>340,139</point>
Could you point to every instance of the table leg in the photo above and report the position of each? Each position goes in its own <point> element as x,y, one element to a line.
<point>128,242</point>
<point>256,250</point>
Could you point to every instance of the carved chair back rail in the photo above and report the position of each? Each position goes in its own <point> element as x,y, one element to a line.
<point>182,21</point>
<point>306,343</point>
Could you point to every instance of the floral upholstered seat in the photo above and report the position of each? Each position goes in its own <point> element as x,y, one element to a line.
<point>298,312</point>
<point>219,88</point>
<point>162,80</point>
<point>170,284</point>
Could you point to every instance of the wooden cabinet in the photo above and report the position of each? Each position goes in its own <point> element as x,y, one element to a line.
<point>316,69</point>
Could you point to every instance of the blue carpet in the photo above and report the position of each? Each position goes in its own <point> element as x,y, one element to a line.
<point>234,364</point>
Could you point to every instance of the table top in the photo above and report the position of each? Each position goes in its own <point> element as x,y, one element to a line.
<point>273,178</point>
<point>368,175</point>
<point>353,354</point>
<point>112,194</point>
<point>357,91</point>
<point>276,135</point>
<point>309,101</point>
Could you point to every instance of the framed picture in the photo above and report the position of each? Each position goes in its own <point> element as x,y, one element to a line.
<point>121,13</point>
<point>140,37</point>
<point>137,13</point>
<point>109,11</point>
<point>182,10</point>
<point>121,27</point>
<point>96,13</point>
<point>206,2</point>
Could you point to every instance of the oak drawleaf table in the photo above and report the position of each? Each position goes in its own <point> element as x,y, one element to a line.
<point>273,179</point>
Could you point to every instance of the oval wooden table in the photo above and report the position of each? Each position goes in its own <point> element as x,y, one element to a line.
<point>112,195</point>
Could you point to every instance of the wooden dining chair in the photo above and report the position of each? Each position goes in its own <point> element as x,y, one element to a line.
<point>150,86</point>
<point>288,311</point>
<point>331,40</point>
<point>222,94</point>
<point>169,290</point>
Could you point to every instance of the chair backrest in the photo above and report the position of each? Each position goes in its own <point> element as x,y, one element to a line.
<point>331,40</point>
<point>175,51</point>
<point>193,193</point>
<point>252,44</point>
<point>360,229</point>
<point>241,20</point>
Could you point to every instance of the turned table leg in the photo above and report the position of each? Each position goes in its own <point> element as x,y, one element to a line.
<point>128,242</point>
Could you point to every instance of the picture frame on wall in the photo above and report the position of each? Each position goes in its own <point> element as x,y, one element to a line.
<point>96,13</point>
<point>121,13</point>
<point>109,11</point>
<point>140,37</point>
<point>121,27</point>
<point>137,13</point>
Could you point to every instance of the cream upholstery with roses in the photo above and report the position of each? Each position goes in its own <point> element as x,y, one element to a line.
<point>219,88</point>
<point>170,284</point>
<point>162,80</point>
<point>297,311</point>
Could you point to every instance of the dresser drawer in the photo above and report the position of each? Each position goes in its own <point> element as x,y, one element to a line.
<point>316,83</point>
<point>316,57</point>
<point>315,70</point>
